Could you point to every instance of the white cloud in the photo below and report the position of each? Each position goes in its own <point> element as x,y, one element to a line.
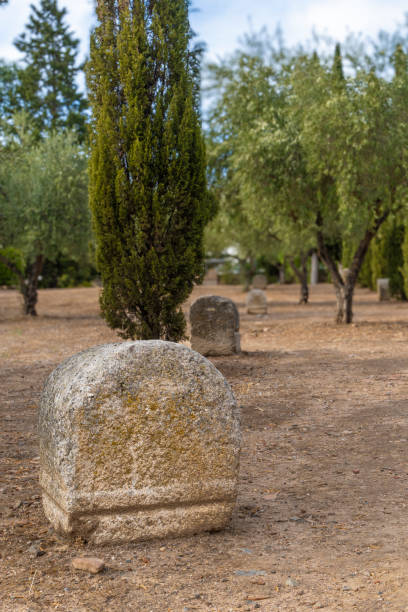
<point>221,23</point>
<point>337,18</point>
<point>15,15</point>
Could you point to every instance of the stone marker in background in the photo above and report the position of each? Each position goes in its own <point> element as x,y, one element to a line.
<point>211,277</point>
<point>138,440</point>
<point>256,302</point>
<point>259,281</point>
<point>314,269</point>
<point>214,326</point>
<point>383,288</point>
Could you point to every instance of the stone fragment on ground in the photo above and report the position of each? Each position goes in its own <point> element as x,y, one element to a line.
<point>93,565</point>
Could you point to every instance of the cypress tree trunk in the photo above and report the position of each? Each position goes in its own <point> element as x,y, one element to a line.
<point>148,189</point>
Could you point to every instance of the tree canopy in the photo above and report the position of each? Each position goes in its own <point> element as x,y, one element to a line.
<point>317,155</point>
<point>148,187</point>
<point>43,196</point>
<point>47,87</point>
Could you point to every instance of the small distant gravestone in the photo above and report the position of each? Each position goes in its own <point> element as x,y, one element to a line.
<point>314,269</point>
<point>214,326</point>
<point>138,440</point>
<point>259,281</point>
<point>256,302</point>
<point>383,289</point>
<point>345,273</point>
<point>211,277</point>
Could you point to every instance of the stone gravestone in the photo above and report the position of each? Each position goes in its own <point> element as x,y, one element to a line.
<point>138,440</point>
<point>314,269</point>
<point>211,277</point>
<point>214,326</point>
<point>383,288</point>
<point>259,281</point>
<point>256,302</point>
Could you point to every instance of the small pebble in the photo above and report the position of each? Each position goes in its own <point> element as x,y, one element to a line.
<point>257,581</point>
<point>88,564</point>
<point>292,583</point>
<point>35,551</point>
<point>250,573</point>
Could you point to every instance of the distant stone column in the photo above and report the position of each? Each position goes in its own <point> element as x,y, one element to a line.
<point>314,271</point>
<point>282,278</point>
<point>383,289</point>
<point>256,302</point>
<point>214,326</point>
<point>138,440</point>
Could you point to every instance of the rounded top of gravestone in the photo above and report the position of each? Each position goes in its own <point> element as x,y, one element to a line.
<point>256,295</point>
<point>216,309</point>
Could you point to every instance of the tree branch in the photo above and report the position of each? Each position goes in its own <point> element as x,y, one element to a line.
<point>11,266</point>
<point>324,254</point>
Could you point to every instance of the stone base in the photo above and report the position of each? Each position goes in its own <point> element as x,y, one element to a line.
<point>135,524</point>
<point>220,347</point>
<point>257,311</point>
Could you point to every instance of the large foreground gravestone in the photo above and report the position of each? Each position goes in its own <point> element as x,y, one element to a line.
<point>256,302</point>
<point>214,326</point>
<point>383,289</point>
<point>138,440</point>
<point>259,281</point>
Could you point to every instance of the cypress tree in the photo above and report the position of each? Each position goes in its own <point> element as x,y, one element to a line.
<point>148,191</point>
<point>48,90</point>
<point>338,64</point>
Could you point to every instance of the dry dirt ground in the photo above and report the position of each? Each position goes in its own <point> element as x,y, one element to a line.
<point>321,519</point>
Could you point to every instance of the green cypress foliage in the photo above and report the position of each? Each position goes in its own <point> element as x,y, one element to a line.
<point>338,64</point>
<point>48,89</point>
<point>148,189</point>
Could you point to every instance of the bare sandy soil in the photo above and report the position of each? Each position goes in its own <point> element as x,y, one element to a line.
<point>321,519</point>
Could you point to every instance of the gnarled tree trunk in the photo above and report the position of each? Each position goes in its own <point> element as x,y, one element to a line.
<point>29,286</point>
<point>301,274</point>
<point>344,285</point>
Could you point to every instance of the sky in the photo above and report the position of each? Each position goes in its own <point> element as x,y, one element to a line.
<point>220,23</point>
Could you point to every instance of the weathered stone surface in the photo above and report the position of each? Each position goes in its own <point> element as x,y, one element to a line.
<point>93,565</point>
<point>256,302</point>
<point>138,440</point>
<point>214,326</point>
<point>259,281</point>
<point>383,288</point>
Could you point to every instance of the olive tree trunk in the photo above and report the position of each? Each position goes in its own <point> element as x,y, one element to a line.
<point>344,284</point>
<point>29,286</point>
<point>301,274</point>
